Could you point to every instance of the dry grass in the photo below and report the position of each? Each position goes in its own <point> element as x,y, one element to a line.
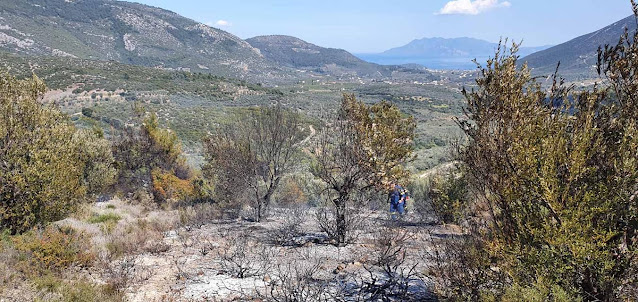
<point>52,264</point>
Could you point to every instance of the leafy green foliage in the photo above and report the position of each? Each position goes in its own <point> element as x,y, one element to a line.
<point>41,170</point>
<point>99,164</point>
<point>103,218</point>
<point>53,249</point>
<point>449,197</point>
<point>556,175</point>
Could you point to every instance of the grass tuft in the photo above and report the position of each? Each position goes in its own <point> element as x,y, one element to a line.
<point>105,218</point>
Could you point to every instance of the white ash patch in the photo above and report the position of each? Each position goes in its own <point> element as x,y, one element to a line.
<point>213,285</point>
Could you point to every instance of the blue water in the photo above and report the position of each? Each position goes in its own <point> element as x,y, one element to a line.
<point>432,63</point>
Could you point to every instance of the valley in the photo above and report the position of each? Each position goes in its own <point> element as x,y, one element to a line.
<point>147,156</point>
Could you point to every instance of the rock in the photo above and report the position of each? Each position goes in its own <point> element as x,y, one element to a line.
<point>339,268</point>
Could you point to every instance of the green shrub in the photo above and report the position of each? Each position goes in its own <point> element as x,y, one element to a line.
<point>52,249</point>
<point>449,197</point>
<point>107,221</point>
<point>99,164</point>
<point>104,218</point>
<point>41,171</point>
<point>555,173</point>
<point>541,291</point>
<point>88,112</point>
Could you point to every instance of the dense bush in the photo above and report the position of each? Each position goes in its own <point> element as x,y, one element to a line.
<point>150,156</point>
<point>99,164</point>
<point>555,178</point>
<point>53,249</point>
<point>167,186</point>
<point>41,170</point>
<point>449,197</point>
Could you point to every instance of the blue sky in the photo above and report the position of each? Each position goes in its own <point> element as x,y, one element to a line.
<point>366,26</point>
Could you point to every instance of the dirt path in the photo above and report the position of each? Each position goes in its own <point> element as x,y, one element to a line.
<point>438,169</point>
<point>312,133</point>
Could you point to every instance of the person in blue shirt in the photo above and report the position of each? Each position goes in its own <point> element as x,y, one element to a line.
<point>397,200</point>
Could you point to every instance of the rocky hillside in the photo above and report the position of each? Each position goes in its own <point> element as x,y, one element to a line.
<point>578,57</point>
<point>296,53</point>
<point>127,33</point>
<point>136,34</point>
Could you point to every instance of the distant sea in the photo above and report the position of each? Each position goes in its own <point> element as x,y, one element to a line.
<point>432,63</point>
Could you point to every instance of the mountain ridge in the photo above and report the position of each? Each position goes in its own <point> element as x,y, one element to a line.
<point>578,56</point>
<point>441,53</point>
<point>128,33</point>
<point>296,53</point>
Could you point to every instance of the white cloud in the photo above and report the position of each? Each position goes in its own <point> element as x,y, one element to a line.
<point>219,23</point>
<point>468,7</point>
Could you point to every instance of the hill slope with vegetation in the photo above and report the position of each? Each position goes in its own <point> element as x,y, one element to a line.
<point>578,57</point>
<point>127,33</point>
<point>296,53</point>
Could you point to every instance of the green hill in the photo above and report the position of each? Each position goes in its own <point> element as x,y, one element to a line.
<point>296,53</point>
<point>578,56</point>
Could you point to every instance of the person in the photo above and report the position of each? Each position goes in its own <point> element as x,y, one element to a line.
<point>397,198</point>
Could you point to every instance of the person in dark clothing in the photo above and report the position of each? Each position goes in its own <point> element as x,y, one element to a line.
<point>397,198</point>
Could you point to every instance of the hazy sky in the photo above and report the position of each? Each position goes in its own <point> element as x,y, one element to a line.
<point>364,26</point>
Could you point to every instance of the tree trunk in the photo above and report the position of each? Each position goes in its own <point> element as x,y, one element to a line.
<point>263,203</point>
<point>340,216</point>
<point>258,216</point>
